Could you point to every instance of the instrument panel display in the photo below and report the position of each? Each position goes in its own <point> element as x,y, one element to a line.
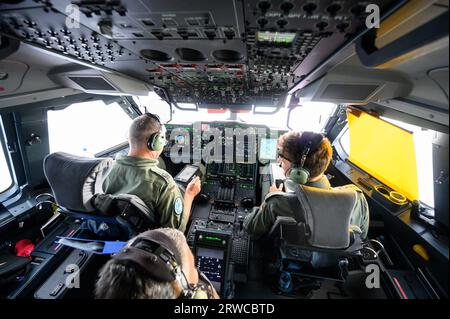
<point>179,144</point>
<point>225,142</point>
<point>268,149</point>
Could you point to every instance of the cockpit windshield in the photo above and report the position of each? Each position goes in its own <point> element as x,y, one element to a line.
<point>307,116</point>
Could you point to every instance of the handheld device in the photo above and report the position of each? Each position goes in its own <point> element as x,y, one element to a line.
<point>187,174</point>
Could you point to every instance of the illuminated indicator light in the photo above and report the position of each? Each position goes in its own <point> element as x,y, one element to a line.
<point>213,238</point>
<point>282,38</point>
<point>400,288</point>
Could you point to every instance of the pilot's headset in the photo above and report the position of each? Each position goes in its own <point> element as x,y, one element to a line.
<point>152,252</point>
<point>157,141</point>
<point>309,142</point>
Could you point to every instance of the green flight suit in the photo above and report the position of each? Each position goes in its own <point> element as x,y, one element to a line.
<point>143,178</point>
<point>261,221</point>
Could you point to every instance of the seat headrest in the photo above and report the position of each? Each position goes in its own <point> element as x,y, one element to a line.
<point>74,180</point>
<point>328,214</point>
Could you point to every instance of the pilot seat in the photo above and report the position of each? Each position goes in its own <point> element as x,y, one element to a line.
<point>76,183</point>
<point>318,245</point>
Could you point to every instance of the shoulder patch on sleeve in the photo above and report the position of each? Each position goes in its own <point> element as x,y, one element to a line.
<point>178,207</point>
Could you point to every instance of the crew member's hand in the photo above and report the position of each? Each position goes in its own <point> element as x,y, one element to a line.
<point>194,187</point>
<point>274,188</point>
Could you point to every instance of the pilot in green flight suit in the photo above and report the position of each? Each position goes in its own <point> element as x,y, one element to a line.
<point>138,174</point>
<point>291,148</point>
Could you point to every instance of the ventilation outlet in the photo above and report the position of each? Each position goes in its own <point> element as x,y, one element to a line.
<point>156,55</point>
<point>92,83</point>
<point>190,54</point>
<point>228,56</point>
<point>349,92</point>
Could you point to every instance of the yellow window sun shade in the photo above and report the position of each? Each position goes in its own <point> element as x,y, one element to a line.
<point>385,151</point>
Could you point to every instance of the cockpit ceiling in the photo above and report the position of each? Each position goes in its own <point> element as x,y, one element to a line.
<point>200,51</point>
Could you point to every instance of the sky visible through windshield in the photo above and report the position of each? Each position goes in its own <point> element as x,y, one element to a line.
<point>5,176</point>
<point>311,116</point>
<point>85,129</point>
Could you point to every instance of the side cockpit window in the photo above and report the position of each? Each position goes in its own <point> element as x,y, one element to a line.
<point>311,116</point>
<point>6,180</point>
<point>395,153</point>
<point>87,128</point>
<point>423,147</point>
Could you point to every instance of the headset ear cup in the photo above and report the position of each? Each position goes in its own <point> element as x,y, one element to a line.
<point>299,175</point>
<point>156,143</point>
<point>150,142</point>
<point>200,294</point>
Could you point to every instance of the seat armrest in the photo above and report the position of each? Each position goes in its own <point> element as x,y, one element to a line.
<point>281,220</point>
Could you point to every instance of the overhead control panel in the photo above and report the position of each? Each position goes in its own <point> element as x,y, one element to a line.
<point>239,52</point>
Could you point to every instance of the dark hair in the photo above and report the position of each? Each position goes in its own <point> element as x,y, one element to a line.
<point>141,129</point>
<point>317,162</point>
<point>124,281</point>
<point>119,280</point>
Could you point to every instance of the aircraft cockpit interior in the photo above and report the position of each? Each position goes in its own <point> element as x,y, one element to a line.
<point>229,81</point>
